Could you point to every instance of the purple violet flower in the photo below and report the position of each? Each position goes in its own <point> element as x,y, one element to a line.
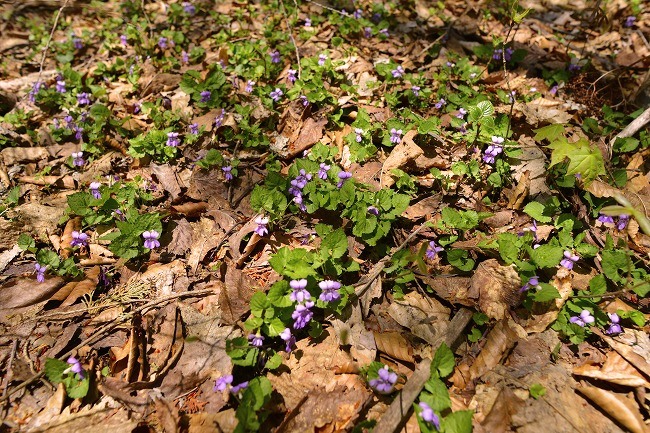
<point>236,389</point>
<point>461,113</point>
<point>533,282</point>
<point>322,171</point>
<point>441,103</point>
<point>583,319</point>
<point>307,22</point>
<point>367,32</point>
<point>185,58</point>
<point>218,121</point>
<point>383,32</point>
<point>322,58</point>
<point>75,367</point>
<point>343,175</point>
<point>227,173</point>
<point>249,86</point>
<point>623,221</point>
<point>606,219</point>
<point>261,222</point>
<point>83,98</point>
<point>433,250</point>
<point>206,95</point>
<point>222,383</point>
<point>415,90</point>
<point>330,290</point>
<point>124,40</point>
<point>359,137</point>
<point>276,94</point>
<point>615,327</point>
<point>554,90</point>
<point>151,239</point>
<point>428,415</point>
<point>373,210</point>
<point>397,72</point>
<point>569,260</point>
<point>172,139</point>
<point>79,239</point>
<point>395,135</point>
<point>275,56</point>
<point>162,42</point>
<point>300,293</point>
<point>78,159</point>
<point>305,101</point>
<point>256,340</point>
<point>40,272</point>
<point>385,382</point>
<point>94,189</point>
<point>60,86</point>
<point>35,89</point>
<point>289,339</point>
<point>302,315</point>
<point>194,129</point>
<point>291,75</point>
<point>629,21</point>
<point>189,8</point>
<point>357,14</point>
<point>493,150</point>
<point>77,43</point>
<point>78,132</point>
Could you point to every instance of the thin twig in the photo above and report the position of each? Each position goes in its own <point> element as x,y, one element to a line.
<point>9,375</point>
<point>293,40</point>
<point>49,39</point>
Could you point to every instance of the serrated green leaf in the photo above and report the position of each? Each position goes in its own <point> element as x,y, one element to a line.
<point>439,398</point>
<point>54,369</point>
<point>273,362</point>
<point>458,422</point>
<point>547,256</point>
<point>550,132</point>
<point>546,293</point>
<point>584,160</point>
<point>539,212</point>
<point>443,362</point>
<point>486,108</point>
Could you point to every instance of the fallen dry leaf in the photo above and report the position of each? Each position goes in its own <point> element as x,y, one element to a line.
<point>623,409</point>
<point>403,153</point>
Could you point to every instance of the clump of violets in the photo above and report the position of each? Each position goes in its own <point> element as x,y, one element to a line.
<point>289,339</point>
<point>276,94</point>
<point>296,187</point>
<point>94,189</point>
<point>75,367</point>
<point>322,170</point>
<point>385,382</point>
<point>172,139</point>
<point>256,340</point>
<point>395,135</point>
<point>427,415</point>
<point>291,75</point>
<point>83,98</point>
<point>330,290</point>
<point>569,260</point>
<point>397,72</point>
<point>261,228</point>
<point>206,95</point>
<point>498,53</point>
<point>533,282</point>
<point>615,327</point>
<point>40,272</point>
<point>493,150</point>
<point>162,42</point>
<point>151,239</point>
<point>79,239</point>
<point>300,293</point>
<point>343,176</point>
<point>433,250</point>
<point>275,56</point>
<point>583,319</point>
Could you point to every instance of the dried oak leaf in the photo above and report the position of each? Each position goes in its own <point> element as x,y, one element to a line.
<point>623,409</point>
<point>495,288</point>
<point>615,370</point>
<point>403,153</point>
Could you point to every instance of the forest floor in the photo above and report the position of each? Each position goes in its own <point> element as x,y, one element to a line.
<point>297,217</point>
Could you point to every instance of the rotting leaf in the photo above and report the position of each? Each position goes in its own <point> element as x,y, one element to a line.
<point>619,407</point>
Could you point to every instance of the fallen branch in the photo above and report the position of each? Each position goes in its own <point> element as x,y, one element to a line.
<point>633,127</point>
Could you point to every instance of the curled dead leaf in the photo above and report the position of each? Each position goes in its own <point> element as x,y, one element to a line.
<point>395,345</point>
<point>403,153</point>
<point>621,408</point>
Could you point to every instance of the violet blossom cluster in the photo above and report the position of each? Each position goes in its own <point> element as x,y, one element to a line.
<point>222,383</point>
<point>151,239</point>
<point>385,382</point>
<point>40,272</point>
<point>429,416</point>
<point>302,313</point>
<point>621,224</point>
<point>79,239</point>
<point>493,150</point>
<point>583,319</point>
<point>330,290</point>
<point>261,228</point>
<point>507,54</point>
<point>297,186</point>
